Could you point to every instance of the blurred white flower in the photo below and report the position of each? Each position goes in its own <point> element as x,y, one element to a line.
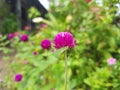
<point>37,19</point>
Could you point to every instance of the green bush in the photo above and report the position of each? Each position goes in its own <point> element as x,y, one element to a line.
<point>4,9</point>
<point>9,24</point>
<point>97,41</point>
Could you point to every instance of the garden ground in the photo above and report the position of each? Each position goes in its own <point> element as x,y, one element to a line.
<point>3,63</point>
<point>2,66</point>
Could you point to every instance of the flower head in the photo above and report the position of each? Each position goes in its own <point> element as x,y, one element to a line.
<point>11,35</point>
<point>24,37</point>
<point>17,33</point>
<point>1,80</point>
<point>88,1</point>
<point>35,53</point>
<point>43,25</point>
<point>64,39</point>
<point>18,77</point>
<point>37,19</point>
<point>25,62</point>
<point>52,51</point>
<point>46,44</point>
<point>32,43</point>
<point>111,61</point>
<point>27,28</point>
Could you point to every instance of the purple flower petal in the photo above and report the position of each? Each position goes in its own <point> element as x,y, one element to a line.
<point>24,37</point>
<point>64,39</point>
<point>46,44</point>
<point>18,77</point>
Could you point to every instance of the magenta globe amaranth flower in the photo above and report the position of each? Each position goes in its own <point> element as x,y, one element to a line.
<point>35,53</point>
<point>46,44</point>
<point>18,77</point>
<point>11,35</point>
<point>111,61</point>
<point>24,37</point>
<point>64,39</point>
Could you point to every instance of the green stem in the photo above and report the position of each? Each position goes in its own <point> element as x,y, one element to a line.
<point>66,70</point>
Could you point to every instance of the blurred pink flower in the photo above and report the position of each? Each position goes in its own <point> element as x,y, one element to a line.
<point>64,39</point>
<point>111,61</point>
<point>32,43</point>
<point>11,36</point>
<point>27,28</point>
<point>74,2</point>
<point>1,80</point>
<point>88,1</point>
<point>25,62</point>
<point>43,25</point>
<point>52,50</point>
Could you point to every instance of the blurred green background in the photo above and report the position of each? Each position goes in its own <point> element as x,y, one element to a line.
<point>96,29</point>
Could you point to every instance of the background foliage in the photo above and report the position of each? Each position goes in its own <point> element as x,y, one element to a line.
<point>97,40</point>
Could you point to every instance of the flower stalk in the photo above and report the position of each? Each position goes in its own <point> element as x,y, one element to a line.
<point>66,71</point>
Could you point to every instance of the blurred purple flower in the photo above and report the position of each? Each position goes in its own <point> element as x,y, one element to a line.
<point>46,44</point>
<point>64,39</point>
<point>35,53</point>
<point>18,77</point>
<point>111,61</point>
<point>17,33</point>
<point>32,43</point>
<point>11,35</point>
<point>24,37</point>
<point>52,50</point>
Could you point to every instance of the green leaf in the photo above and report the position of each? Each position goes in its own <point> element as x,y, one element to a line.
<point>58,52</point>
